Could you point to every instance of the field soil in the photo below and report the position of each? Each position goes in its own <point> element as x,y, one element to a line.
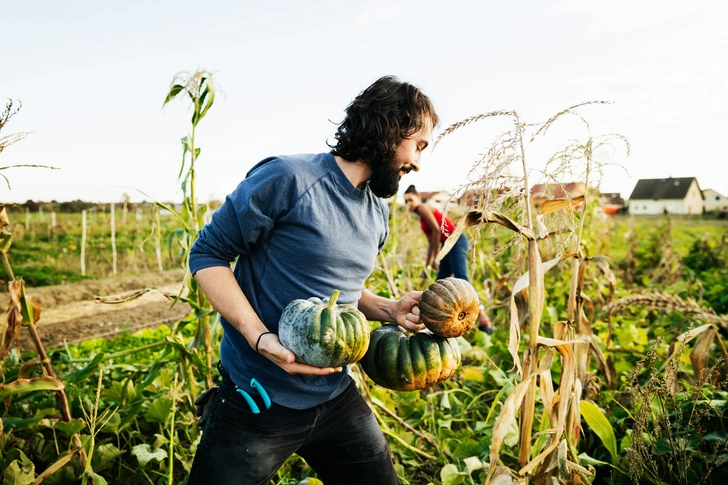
<point>71,314</point>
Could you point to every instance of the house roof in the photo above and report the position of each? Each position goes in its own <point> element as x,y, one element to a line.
<point>712,190</point>
<point>558,190</point>
<point>664,188</point>
<point>614,198</point>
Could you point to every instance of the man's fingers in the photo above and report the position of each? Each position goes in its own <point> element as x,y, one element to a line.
<point>286,360</point>
<point>298,368</point>
<point>412,322</point>
<point>287,356</point>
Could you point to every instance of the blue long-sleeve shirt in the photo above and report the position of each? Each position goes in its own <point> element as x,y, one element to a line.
<point>299,229</point>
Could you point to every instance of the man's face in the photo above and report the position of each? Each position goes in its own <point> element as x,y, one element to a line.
<point>385,178</point>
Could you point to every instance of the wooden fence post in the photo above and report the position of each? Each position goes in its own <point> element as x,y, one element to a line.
<point>113,240</point>
<point>158,241</point>
<point>83,243</point>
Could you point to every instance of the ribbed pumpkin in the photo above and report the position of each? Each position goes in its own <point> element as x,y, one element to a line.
<point>322,333</point>
<point>449,307</point>
<point>408,363</point>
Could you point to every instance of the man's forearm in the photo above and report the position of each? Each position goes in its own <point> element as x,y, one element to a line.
<point>221,288</point>
<point>376,308</point>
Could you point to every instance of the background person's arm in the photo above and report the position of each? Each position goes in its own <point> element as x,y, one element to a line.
<point>433,240</point>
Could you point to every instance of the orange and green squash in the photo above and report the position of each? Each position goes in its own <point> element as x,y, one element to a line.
<point>409,363</point>
<point>449,307</point>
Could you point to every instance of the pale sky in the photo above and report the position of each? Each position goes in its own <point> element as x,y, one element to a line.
<point>92,78</point>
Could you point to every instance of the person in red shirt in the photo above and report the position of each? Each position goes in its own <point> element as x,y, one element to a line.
<point>455,262</point>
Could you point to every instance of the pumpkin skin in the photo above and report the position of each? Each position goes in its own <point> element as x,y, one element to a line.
<point>322,333</point>
<point>409,363</point>
<point>449,307</point>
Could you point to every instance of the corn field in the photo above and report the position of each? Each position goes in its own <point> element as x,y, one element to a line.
<point>608,362</point>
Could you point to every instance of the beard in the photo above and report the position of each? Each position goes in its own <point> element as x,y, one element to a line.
<point>385,178</point>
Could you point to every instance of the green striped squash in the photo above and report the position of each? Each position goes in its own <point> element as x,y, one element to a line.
<point>322,333</point>
<point>408,363</point>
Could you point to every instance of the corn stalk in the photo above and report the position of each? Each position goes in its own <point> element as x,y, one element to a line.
<point>558,459</point>
<point>200,89</point>
<point>25,311</point>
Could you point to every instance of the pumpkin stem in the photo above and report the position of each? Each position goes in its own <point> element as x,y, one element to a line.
<point>332,300</point>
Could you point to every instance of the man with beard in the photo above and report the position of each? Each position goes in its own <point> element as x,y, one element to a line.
<point>303,226</point>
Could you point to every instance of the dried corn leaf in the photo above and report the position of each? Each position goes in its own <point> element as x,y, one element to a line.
<point>554,205</point>
<point>15,317</point>
<point>4,221</point>
<point>700,351</point>
<point>60,463</point>
<point>515,335</point>
<point>29,385</point>
<point>504,420</point>
<point>29,306</point>
<point>561,330</point>
<point>476,217</point>
<point>573,425</point>
<point>133,295</point>
<point>472,218</point>
<point>566,386</point>
<point>546,384</point>
<point>561,457</point>
<point>694,332</point>
<point>122,297</point>
<point>503,476</point>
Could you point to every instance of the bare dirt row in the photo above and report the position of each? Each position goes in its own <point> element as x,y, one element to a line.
<point>70,313</point>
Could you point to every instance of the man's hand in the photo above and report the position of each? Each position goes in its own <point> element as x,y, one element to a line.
<point>407,314</point>
<point>270,348</point>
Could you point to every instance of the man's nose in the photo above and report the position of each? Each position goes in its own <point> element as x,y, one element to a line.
<point>415,164</point>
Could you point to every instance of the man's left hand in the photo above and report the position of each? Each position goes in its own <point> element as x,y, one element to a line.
<point>407,312</point>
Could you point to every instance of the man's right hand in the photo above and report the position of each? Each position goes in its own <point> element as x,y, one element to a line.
<point>270,348</point>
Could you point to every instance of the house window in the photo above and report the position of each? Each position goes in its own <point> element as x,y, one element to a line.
<point>644,207</point>
<point>717,197</point>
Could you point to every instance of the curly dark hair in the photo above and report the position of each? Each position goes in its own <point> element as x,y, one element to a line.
<point>379,118</point>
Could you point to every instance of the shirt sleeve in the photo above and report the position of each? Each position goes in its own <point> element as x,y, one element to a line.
<point>246,217</point>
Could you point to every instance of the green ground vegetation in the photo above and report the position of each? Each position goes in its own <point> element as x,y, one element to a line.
<point>438,435</point>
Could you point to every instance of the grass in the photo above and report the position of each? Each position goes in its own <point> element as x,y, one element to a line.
<point>685,231</point>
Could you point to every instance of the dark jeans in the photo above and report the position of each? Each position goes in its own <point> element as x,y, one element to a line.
<point>340,439</point>
<point>455,263</point>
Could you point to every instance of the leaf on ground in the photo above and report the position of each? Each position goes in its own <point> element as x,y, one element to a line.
<point>473,463</point>
<point>160,410</point>
<point>145,454</point>
<point>71,427</point>
<point>450,475</point>
<point>20,471</point>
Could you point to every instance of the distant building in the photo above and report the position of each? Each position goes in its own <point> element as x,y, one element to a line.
<point>666,195</point>
<point>713,201</point>
<point>437,199</point>
<point>611,203</point>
